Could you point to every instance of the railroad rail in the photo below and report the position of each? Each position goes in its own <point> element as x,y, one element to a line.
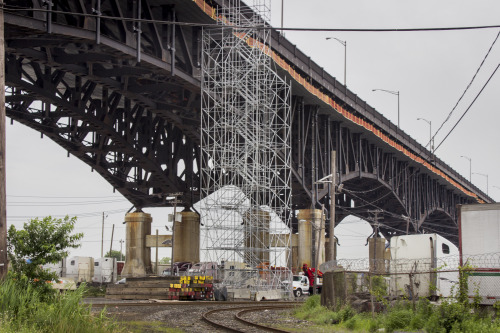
<point>232,325</point>
<point>188,303</point>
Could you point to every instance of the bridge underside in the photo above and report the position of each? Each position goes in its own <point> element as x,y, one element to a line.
<point>128,105</point>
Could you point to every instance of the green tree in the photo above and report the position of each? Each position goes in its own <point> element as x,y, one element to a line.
<point>115,254</point>
<point>164,261</point>
<point>40,242</point>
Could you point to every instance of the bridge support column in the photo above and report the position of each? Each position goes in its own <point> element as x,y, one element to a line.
<point>187,238</point>
<point>296,265</point>
<point>309,222</point>
<point>376,254</point>
<point>138,256</point>
<point>257,237</point>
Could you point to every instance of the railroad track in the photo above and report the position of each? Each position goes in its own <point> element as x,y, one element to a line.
<point>236,323</point>
<point>188,303</point>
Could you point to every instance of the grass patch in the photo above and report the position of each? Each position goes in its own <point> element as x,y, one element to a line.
<point>450,316</point>
<point>23,308</point>
<point>150,326</point>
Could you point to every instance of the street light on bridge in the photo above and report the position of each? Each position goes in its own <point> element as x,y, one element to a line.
<point>430,132</point>
<point>393,93</point>
<point>343,42</point>
<point>484,175</point>
<point>470,167</point>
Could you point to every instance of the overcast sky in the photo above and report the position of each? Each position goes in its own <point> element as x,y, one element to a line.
<point>431,70</point>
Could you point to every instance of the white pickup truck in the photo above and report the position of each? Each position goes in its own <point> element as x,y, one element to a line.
<point>300,285</point>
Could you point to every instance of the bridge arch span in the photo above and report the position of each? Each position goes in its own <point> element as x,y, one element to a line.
<point>439,221</point>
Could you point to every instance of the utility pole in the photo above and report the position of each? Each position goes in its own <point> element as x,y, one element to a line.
<point>102,236</point>
<point>314,192</point>
<point>321,230</point>
<point>111,245</point>
<point>156,264</point>
<point>375,266</point>
<point>121,253</point>
<point>175,195</point>
<point>333,160</point>
<point>3,191</point>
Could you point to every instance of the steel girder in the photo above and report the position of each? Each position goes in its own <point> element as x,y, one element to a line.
<point>129,112</point>
<point>123,96</point>
<point>373,178</point>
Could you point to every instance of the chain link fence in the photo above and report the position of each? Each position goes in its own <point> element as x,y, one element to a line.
<point>368,281</point>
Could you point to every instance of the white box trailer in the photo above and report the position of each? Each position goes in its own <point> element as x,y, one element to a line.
<point>419,265</point>
<point>80,269</point>
<point>105,270</point>
<point>479,231</point>
<point>59,268</point>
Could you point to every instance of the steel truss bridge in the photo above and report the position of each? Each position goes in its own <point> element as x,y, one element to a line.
<point>123,95</point>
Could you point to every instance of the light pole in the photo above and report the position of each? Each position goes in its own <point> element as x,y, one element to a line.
<point>430,132</point>
<point>391,92</point>
<point>343,42</point>
<point>282,11</point>
<point>484,175</point>
<point>470,167</point>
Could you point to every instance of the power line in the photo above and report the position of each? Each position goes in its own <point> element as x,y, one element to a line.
<point>51,197</point>
<point>78,215</point>
<point>61,204</point>
<point>10,8</point>
<point>477,96</point>
<point>467,88</point>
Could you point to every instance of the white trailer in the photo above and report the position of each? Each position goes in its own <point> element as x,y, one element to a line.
<point>80,269</point>
<point>59,268</point>
<point>105,270</point>
<point>479,231</point>
<point>419,263</point>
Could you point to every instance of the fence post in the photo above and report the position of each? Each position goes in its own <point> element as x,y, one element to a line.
<point>412,291</point>
<point>345,287</point>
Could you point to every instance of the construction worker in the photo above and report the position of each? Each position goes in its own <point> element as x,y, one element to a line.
<point>309,272</point>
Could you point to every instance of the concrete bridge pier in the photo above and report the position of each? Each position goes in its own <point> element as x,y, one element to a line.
<point>138,256</point>
<point>309,222</point>
<point>257,236</point>
<point>187,238</point>
<point>376,254</point>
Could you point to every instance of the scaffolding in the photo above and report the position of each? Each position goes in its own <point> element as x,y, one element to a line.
<point>246,156</point>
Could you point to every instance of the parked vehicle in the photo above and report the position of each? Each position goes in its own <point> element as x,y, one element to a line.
<point>105,270</point>
<point>180,268</point>
<point>204,268</point>
<point>80,269</point>
<point>479,230</point>
<point>119,267</point>
<point>422,255</point>
<point>300,285</point>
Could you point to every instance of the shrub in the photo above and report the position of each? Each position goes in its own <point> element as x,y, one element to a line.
<point>398,319</point>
